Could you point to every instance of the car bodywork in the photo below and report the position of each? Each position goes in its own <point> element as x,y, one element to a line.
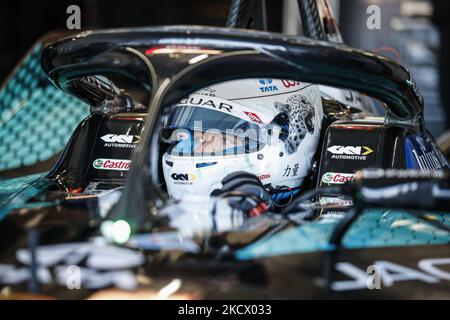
<point>267,254</point>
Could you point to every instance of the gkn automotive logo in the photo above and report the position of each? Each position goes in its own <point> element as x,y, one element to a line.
<point>183,178</point>
<point>112,164</point>
<point>267,85</point>
<point>349,152</point>
<point>120,140</point>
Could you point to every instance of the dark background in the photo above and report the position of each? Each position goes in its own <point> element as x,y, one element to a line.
<point>23,21</point>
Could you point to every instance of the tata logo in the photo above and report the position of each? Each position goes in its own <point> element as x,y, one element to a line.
<point>120,138</point>
<point>265,82</point>
<point>267,85</point>
<point>183,176</point>
<point>350,152</point>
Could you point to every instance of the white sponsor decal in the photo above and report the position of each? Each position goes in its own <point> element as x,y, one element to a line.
<point>337,178</point>
<point>349,152</point>
<point>112,164</point>
<point>120,140</point>
<point>335,201</point>
<point>266,85</point>
<point>225,106</point>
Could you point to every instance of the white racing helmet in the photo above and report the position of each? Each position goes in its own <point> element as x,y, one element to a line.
<point>268,127</point>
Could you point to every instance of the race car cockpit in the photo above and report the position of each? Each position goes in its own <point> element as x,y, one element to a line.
<point>206,148</point>
<point>299,122</point>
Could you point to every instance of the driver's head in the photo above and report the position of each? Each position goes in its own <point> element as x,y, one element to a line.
<point>267,127</point>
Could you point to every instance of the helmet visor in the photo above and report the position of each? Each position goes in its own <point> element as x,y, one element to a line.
<point>194,131</point>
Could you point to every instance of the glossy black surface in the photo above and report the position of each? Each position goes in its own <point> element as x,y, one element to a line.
<point>307,60</point>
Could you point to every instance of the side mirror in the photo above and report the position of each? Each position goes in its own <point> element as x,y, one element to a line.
<point>106,96</point>
<point>110,80</point>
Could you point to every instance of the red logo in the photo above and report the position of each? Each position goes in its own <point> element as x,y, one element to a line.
<point>253,116</point>
<point>112,164</point>
<point>264,176</point>
<point>289,83</point>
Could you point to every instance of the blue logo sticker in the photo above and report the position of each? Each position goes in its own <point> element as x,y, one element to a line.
<point>420,154</point>
<point>265,81</point>
<point>267,85</point>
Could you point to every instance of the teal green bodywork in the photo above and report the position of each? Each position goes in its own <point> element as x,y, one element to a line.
<point>374,228</point>
<point>36,118</point>
<point>16,193</point>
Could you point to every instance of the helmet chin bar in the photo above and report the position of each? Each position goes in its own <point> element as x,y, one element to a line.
<point>189,174</point>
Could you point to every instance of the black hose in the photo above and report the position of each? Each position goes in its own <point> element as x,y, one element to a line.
<point>32,243</point>
<point>343,226</point>
<point>330,256</point>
